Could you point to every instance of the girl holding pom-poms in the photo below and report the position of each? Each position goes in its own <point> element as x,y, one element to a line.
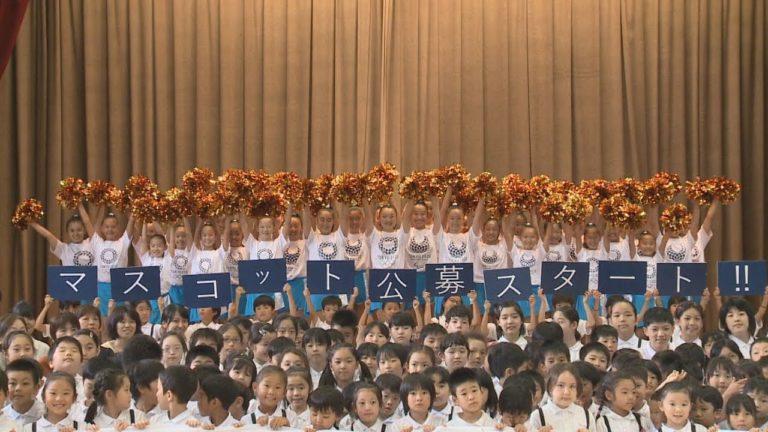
<point>488,243</point>
<point>110,247</point>
<point>177,260</point>
<point>530,253</point>
<point>233,250</point>
<point>78,251</point>
<point>420,248</point>
<point>151,250</point>
<point>205,257</point>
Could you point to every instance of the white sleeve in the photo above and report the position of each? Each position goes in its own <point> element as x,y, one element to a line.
<point>281,241</point>
<point>125,240</point>
<point>58,250</point>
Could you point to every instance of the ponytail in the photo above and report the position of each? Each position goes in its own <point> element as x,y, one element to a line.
<point>105,380</point>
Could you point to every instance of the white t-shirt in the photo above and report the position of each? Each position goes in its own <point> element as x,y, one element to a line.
<point>454,248</point>
<point>593,257</point>
<point>487,256</point>
<point>652,269</point>
<point>680,249</point>
<point>356,249</point>
<point>205,261</point>
<point>231,258</point>
<point>177,266</point>
<point>618,251</point>
<point>558,252</point>
<point>270,249</point>
<point>75,254</point>
<point>702,240</point>
<point>148,260</point>
<point>328,247</point>
<point>387,249</point>
<point>110,254</point>
<point>529,258</point>
<point>421,249</point>
<point>295,254</point>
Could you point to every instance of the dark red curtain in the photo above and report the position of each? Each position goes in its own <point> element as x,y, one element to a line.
<point>11,16</point>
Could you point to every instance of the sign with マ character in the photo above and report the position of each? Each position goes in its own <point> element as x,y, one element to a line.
<point>331,277</point>
<point>568,278</point>
<point>444,280</point>
<point>508,284</point>
<point>262,276</point>
<point>392,285</point>
<point>681,279</point>
<point>207,290</point>
<point>135,283</point>
<point>622,277</point>
<point>72,283</point>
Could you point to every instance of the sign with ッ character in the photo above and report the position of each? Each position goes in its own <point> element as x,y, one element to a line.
<point>135,283</point>
<point>207,290</point>
<point>73,283</point>
<point>392,285</point>
<point>331,277</point>
<point>568,278</point>
<point>741,277</point>
<point>622,277</point>
<point>263,275</point>
<point>444,280</point>
<point>681,279</point>
<point>508,284</point>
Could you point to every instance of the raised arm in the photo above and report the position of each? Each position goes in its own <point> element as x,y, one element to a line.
<point>287,221</point>
<point>86,219</point>
<point>547,236</point>
<point>663,245</point>
<point>309,222</point>
<point>141,244</point>
<point>507,231</point>
<point>710,217</point>
<point>129,226</point>
<point>632,246</point>
<point>437,217</point>
<point>225,235</point>
<point>100,214</point>
<point>310,307</point>
<point>196,237</point>
<point>407,211</point>
<point>606,242</point>
<point>370,219</point>
<point>477,221</point>
<point>292,309</point>
<point>476,317</point>
<point>245,225</point>
<point>694,228</point>
<point>343,218</point>
<point>52,239</point>
<point>578,231</point>
<point>427,307</point>
<point>172,239</point>
<point>653,220</point>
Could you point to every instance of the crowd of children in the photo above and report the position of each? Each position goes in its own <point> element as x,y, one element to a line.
<point>593,363</point>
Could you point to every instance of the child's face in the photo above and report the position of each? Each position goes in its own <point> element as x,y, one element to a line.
<point>442,391</point>
<point>458,325</point>
<point>68,330</point>
<point>243,375</point>
<point>376,336</point>
<point>551,359</point>
<point>203,404</point>
<point>478,351</point>
<point>316,352</point>
<point>298,392</point>
<point>178,322</point>
<point>677,409</point>
<point>388,310</point>
<point>206,314</point>
<point>609,342</point>
<point>623,319</point>
<point>290,359</point>
<point>149,393</point>
<point>564,390</point>
<point>647,245</point>
<point>347,332</point>
<point>325,221</point>
<point>233,343</point>
<point>109,228</point>
<point>295,230</point>
<point>59,397</point>
<point>597,359</point>
<point>322,419</point>
<point>529,238</point>
<point>235,234</point>
<point>391,365</point>
<point>587,389</point>
<point>418,362</point>
<point>741,420</point>
<point>401,334</point>
<point>122,397</point>
<point>367,407</point>
<point>207,342</point>
<point>21,387</point>
<point>455,357</point>
<point>173,351</point>
<point>434,341</point>
<point>419,400</point>
<point>261,349</point>
<point>733,356</point>
<point>690,324</point>
<point>144,311</point>
<point>761,404</point>
<point>592,237</point>
<point>568,327</point>
<point>704,413</point>
<point>455,220</point>
<point>623,397</point>
<point>511,420</point>
<point>201,361</point>
<point>469,397</point>
<point>720,379</point>
<point>181,238</point>
<point>355,218</point>
<point>90,322</point>
<point>371,363</point>
<point>20,347</point>
<point>510,321</point>
<point>653,381</point>
<point>343,365</point>
<point>419,216</point>
<point>758,351</point>
<point>641,391</point>
<point>264,313</point>
<point>737,322</point>
<point>388,218</point>
<point>66,358</point>
<point>659,335</point>
<point>389,403</point>
<point>163,401</point>
<point>271,391</point>
<point>556,236</point>
<point>156,247</point>
<point>657,414</point>
<point>76,231</point>
<point>286,329</point>
<point>208,237</point>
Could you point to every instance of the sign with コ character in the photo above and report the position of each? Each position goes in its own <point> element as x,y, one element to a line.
<point>72,283</point>
<point>444,280</point>
<point>681,279</point>
<point>508,284</point>
<point>392,285</point>
<point>331,277</point>
<point>568,278</point>
<point>263,275</point>
<point>207,290</point>
<point>622,277</point>
<point>741,277</point>
<point>135,283</point>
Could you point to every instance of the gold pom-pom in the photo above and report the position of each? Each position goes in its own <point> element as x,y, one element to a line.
<point>97,192</point>
<point>455,176</point>
<point>725,190</point>
<point>266,203</point>
<point>576,208</point>
<point>517,192</point>
<point>379,182</point>
<point>619,211</point>
<point>629,188</point>
<point>348,188</point>
<point>181,203</point>
<point>71,192</point>
<point>596,190</point>
<point>699,191</point>
<point>552,209</point>
<point>484,184</point>
<point>140,186</point>
<point>316,193</point>
<point>198,180</point>
<point>663,187</point>
<point>289,184</point>
<point>118,199</point>
<point>539,188</point>
<point>144,208</point>
<point>675,218</point>
<point>28,211</point>
<point>419,185</point>
<point>207,205</point>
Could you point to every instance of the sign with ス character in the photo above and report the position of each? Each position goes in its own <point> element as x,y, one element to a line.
<point>73,283</point>
<point>681,279</point>
<point>207,290</point>
<point>444,280</point>
<point>508,284</point>
<point>741,277</point>
<point>622,277</point>
<point>392,285</point>
<point>331,277</point>
<point>135,283</point>
<point>262,276</point>
<point>568,278</point>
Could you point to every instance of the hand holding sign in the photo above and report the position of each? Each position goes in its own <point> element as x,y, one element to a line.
<point>72,283</point>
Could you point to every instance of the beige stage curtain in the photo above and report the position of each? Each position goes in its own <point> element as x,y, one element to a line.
<point>102,89</point>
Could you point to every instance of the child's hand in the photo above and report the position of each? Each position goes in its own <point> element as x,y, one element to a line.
<point>717,292</point>
<point>309,429</point>
<point>111,304</point>
<point>407,429</point>
<point>355,292</point>
<point>487,305</point>
<point>238,425</point>
<point>142,424</point>
<point>472,296</point>
<point>306,292</point>
<point>90,428</point>
<point>239,291</point>
<point>121,425</point>
<point>48,300</point>
<point>427,297</point>
<point>278,422</point>
<point>648,294</point>
<point>286,288</point>
<point>415,302</point>
<point>672,377</point>
<point>532,299</point>
<point>546,429</point>
<point>67,429</point>
<point>208,426</point>
<point>367,304</point>
<point>499,426</point>
<point>96,302</point>
<point>428,428</point>
<point>582,430</point>
<point>193,423</point>
<point>656,294</point>
<point>596,294</point>
<point>262,421</point>
<point>705,295</point>
<point>520,428</point>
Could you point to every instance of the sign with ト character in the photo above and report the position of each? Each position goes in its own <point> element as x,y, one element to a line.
<point>262,276</point>
<point>207,290</point>
<point>569,278</point>
<point>445,280</point>
<point>331,277</point>
<point>392,285</point>
<point>508,284</point>
<point>72,283</point>
<point>622,277</point>
<point>681,279</point>
<point>741,277</point>
<point>135,283</point>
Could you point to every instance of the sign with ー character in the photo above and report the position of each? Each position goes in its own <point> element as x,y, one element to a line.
<point>135,283</point>
<point>508,284</point>
<point>622,277</point>
<point>207,290</point>
<point>331,277</point>
<point>681,279</point>
<point>73,283</point>
<point>741,277</point>
<point>444,280</point>
<point>262,276</point>
<point>568,278</point>
<point>392,285</point>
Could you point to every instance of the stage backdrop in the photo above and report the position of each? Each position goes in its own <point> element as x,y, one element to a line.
<point>569,88</point>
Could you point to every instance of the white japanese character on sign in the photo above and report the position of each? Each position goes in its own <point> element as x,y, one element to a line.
<point>567,279</point>
<point>387,294</point>
<point>264,275</point>
<point>80,277</point>
<point>448,281</point>
<point>738,279</point>
<point>214,293</point>
<point>329,276</point>
<point>509,286</point>
<point>136,283</point>
<point>679,278</point>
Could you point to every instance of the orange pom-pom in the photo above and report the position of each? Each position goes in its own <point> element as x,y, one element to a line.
<point>119,199</point>
<point>596,190</point>
<point>198,180</point>
<point>419,185</point>
<point>700,191</point>
<point>140,186</point>
<point>317,193</point>
<point>380,181</point>
<point>518,193</point>
<point>71,192</point>
<point>348,188</point>
<point>144,208</point>
<point>619,211</point>
<point>266,203</point>
<point>576,208</point>
<point>207,205</point>
<point>552,209</point>
<point>663,187</point>
<point>539,188</point>
<point>725,190</point>
<point>97,192</point>
<point>28,211</point>
<point>180,201</point>
<point>629,188</point>
<point>484,184</point>
<point>455,176</point>
<point>289,184</point>
<point>676,218</point>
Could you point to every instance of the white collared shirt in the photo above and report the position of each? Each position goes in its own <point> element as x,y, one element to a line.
<point>689,427</point>
<point>299,421</point>
<point>43,425</point>
<point>102,420</point>
<point>256,414</point>
<point>610,421</point>
<point>191,329</point>
<point>449,411</point>
<point>33,414</point>
<point>633,343</point>
<point>229,421</point>
<point>165,417</point>
<point>485,420</point>
<point>574,350</point>
<point>406,421</point>
<point>571,418</point>
<point>647,351</point>
<point>358,426</point>
<point>744,347</point>
<point>6,424</point>
<point>522,342</point>
<point>677,341</point>
<point>149,415</point>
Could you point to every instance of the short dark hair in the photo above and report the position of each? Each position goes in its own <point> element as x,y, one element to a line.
<point>326,398</point>
<point>658,315</point>
<point>389,382</point>
<point>413,382</point>
<point>141,347</point>
<point>461,376</point>
<point>65,318</point>
<point>206,333</point>
<point>344,318</point>
<point>330,300</point>
<point>367,349</point>
<point>26,365</point>
<point>458,311</point>
<point>668,362</point>
<point>222,388</point>
<point>454,340</point>
<point>279,345</point>
<point>503,356</point>
<point>263,300</point>
<point>740,304</point>
<point>588,372</point>
<point>63,340</point>
<point>316,335</point>
<point>171,310</point>
<point>201,351</point>
<point>402,319</point>
<point>594,346</point>
<point>552,347</point>
<point>390,350</point>
<point>3,382</point>
<point>432,329</point>
<point>757,385</point>
<point>98,364</point>
<point>439,371</point>
<point>118,314</point>
<point>709,395</point>
<point>259,330</point>
<point>604,331</point>
<point>180,381</point>
<point>142,374</point>
<point>559,369</point>
<point>513,401</point>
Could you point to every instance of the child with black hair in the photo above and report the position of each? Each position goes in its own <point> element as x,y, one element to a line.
<point>757,389</point>
<point>441,404</point>
<point>617,397</point>
<point>689,323</point>
<point>391,358</point>
<point>668,362</point>
<point>144,377</point>
<point>515,408</point>
<point>201,355</point>
<point>726,348</point>
<point>365,408</point>
<point>659,325</point>
<point>344,367</point>
<point>241,369</point>
<point>329,305</point>
<point>277,347</point>
<point>489,396</point>
<point>316,342</point>
<point>401,328</point>
<point>606,335</point>
<point>24,377</point>
<point>740,414</point>
<point>291,357</point>
<point>326,407</point>
<point>391,409</point>
<point>461,319</point>
<point>654,375</point>
<point>175,317</point>
<point>467,394</point>
<point>345,321</point>
<point>417,394</point>
<point>218,393</point>
<point>590,379</point>
<point>367,352</point>
<point>455,349</point>
<point>539,384</point>
<point>595,354</point>
<point>432,335</point>
<point>419,358</point>
<point>758,349</point>
<point>6,423</point>
<point>737,319</point>
<point>175,388</point>
<point>376,332</point>
<point>271,384</point>
<point>695,359</point>
<point>623,317</point>
<point>297,393</point>
<point>174,347</point>
<point>550,354</point>
<point>568,319</point>
<point>505,360</point>
<point>112,402</point>
<point>561,411</point>
<point>59,395</point>
<point>707,406</point>
<point>511,323</point>
<point>478,350</point>
<point>721,374</point>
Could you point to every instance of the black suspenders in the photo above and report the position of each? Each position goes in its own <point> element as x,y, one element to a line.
<point>544,422</point>
<point>34,425</point>
<point>637,418</point>
<point>450,414</point>
<point>133,416</point>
